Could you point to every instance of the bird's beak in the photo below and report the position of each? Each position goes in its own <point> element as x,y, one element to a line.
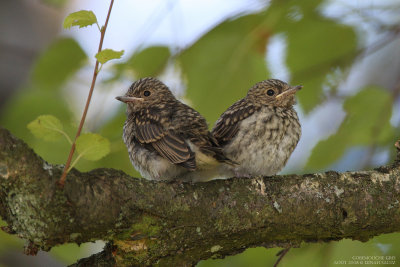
<point>291,91</point>
<point>129,99</point>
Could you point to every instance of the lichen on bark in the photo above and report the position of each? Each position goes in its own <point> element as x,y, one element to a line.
<point>168,223</point>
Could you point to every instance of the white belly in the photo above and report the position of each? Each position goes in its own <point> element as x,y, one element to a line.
<point>264,143</point>
<point>154,167</point>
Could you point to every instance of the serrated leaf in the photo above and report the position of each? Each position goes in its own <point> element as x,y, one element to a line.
<point>46,127</point>
<point>82,18</point>
<point>62,59</point>
<point>367,123</point>
<point>25,107</point>
<point>92,146</point>
<point>108,54</point>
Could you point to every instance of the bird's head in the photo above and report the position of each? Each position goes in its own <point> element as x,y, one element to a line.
<point>147,93</point>
<point>273,92</point>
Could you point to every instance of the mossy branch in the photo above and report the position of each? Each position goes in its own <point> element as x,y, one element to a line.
<point>182,223</point>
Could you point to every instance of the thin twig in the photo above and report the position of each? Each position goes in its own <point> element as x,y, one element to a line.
<point>281,254</point>
<point>95,72</point>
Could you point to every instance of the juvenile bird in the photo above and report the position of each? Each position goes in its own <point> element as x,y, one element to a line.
<point>166,139</point>
<point>260,131</point>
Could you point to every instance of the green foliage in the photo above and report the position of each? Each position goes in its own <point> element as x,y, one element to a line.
<point>62,59</point>
<point>108,54</point>
<point>320,254</point>
<point>255,257</point>
<point>70,253</point>
<point>224,63</point>
<point>149,62</point>
<point>46,127</point>
<point>322,54</point>
<point>118,158</point>
<point>367,122</point>
<point>55,3</point>
<point>82,18</point>
<point>92,146</point>
<point>27,106</point>
<point>8,242</point>
<point>219,68</point>
<point>233,55</point>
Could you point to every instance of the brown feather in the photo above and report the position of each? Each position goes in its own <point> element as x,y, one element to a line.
<point>168,150</point>
<point>174,148</point>
<point>227,125</point>
<point>168,144</point>
<point>149,132</point>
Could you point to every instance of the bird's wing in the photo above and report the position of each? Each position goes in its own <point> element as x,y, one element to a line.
<point>210,146</point>
<point>227,125</point>
<point>168,144</point>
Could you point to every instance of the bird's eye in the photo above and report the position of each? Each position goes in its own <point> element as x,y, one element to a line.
<point>270,92</point>
<point>146,93</point>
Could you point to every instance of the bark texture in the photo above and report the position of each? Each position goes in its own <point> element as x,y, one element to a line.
<point>164,223</point>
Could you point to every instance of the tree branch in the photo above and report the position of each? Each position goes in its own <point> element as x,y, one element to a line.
<point>182,223</point>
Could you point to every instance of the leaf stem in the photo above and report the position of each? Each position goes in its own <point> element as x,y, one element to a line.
<point>75,161</point>
<point>101,66</point>
<point>95,72</point>
<point>98,26</point>
<point>67,137</point>
<point>63,133</point>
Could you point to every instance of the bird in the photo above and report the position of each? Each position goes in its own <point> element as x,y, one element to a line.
<point>166,139</point>
<point>260,131</point>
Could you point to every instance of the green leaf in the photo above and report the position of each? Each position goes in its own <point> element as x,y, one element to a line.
<point>367,123</point>
<point>223,64</point>
<point>92,146</point>
<point>62,59</point>
<point>314,49</point>
<point>150,61</point>
<point>108,54</point>
<point>319,58</point>
<point>82,18</point>
<point>55,3</point>
<point>118,158</point>
<point>46,127</point>
<point>26,106</point>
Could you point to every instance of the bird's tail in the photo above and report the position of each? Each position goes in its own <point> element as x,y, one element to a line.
<point>220,156</point>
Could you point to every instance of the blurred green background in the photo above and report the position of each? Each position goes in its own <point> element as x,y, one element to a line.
<point>346,54</point>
